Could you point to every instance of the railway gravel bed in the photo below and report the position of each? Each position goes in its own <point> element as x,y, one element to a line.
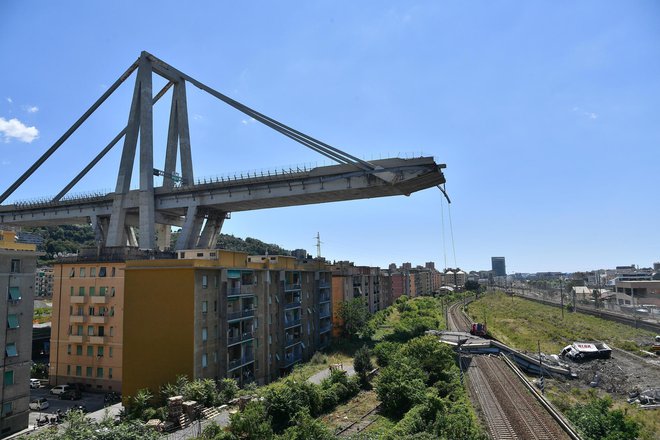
<point>509,409</point>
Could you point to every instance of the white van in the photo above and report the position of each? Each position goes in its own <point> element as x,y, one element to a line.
<point>59,389</point>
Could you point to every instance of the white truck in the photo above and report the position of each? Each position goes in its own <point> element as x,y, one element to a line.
<point>580,351</point>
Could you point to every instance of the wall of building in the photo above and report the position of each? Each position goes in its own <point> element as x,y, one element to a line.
<point>87,325</point>
<point>17,268</point>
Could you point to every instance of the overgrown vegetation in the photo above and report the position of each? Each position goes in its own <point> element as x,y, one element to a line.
<point>597,421</point>
<point>522,323</point>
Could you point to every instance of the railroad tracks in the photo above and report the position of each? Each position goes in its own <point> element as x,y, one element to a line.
<point>510,410</point>
<point>359,425</point>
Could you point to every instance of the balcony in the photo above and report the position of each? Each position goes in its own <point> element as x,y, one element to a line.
<point>233,340</point>
<point>292,340</point>
<point>77,299</point>
<point>76,339</point>
<point>324,284</point>
<point>240,290</point>
<point>97,299</point>
<point>241,314</point>
<point>236,363</point>
<point>292,305</point>
<point>291,286</point>
<point>324,298</point>
<point>98,319</point>
<point>99,340</point>
<point>325,328</point>
<point>76,319</point>
<point>324,314</point>
<point>292,358</point>
<point>291,322</point>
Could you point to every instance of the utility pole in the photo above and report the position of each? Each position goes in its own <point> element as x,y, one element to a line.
<point>561,290</point>
<point>318,245</point>
<point>541,380</point>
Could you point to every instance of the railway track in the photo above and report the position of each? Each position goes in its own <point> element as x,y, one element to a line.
<point>509,409</point>
<point>359,425</point>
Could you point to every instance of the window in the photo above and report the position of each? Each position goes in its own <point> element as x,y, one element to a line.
<point>270,339</point>
<point>68,349</point>
<point>15,266</point>
<point>205,334</point>
<point>82,272</point>
<point>215,306</point>
<point>8,378</point>
<point>71,290</point>
<point>72,272</point>
<point>92,311</point>
<point>78,370</point>
<point>112,331</point>
<point>99,351</point>
<point>102,271</point>
<point>205,281</point>
<point>12,321</point>
<point>216,281</point>
<point>112,310</point>
<point>101,330</point>
<point>89,371</point>
<point>90,330</point>
<point>102,291</point>
<point>99,372</point>
<point>68,370</point>
<point>200,254</point>
<point>204,360</point>
<point>81,291</point>
<point>14,293</point>
<point>110,351</point>
<point>79,350</point>
<point>79,330</point>
<point>7,408</point>
<point>92,272</point>
<point>113,272</point>
<point>92,291</point>
<point>90,350</point>
<point>109,373</point>
<point>205,306</point>
<point>112,292</point>
<point>10,349</point>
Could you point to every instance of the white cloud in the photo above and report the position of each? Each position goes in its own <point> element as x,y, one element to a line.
<point>9,100</point>
<point>15,129</point>
<point>197,117</point>
<point>5,163</point>
<point>248,121</point>
<point>31,108</point>
<point>580,111</point>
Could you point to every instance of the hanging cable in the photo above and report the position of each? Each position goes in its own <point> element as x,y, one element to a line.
<point>442,217</point>
<point>451,230</point>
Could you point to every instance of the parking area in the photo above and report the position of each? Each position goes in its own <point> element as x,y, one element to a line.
<point>92,401</point>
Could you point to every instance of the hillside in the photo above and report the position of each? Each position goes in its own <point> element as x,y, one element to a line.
<point>70,238</point>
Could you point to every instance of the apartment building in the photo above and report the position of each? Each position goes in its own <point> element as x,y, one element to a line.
<point>87,331</point>
<point>43,282</point>
<point>17,267</point>
<point>215,314</point>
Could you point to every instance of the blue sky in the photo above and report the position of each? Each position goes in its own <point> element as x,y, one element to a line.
<point>546,114</point>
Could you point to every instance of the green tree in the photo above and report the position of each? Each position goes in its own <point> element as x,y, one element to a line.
<point>432,356</point>
<point>597,421</point>
<point>385,352</point>
<point>362,363</point>
<point>286,399</point>
<point>305,427</point>
<point>354,315</point>
<point>251,423</point>
<point>400,385</point>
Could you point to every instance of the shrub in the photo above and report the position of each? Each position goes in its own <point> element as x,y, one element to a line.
<point>400,386</point>
<point>386,351</point>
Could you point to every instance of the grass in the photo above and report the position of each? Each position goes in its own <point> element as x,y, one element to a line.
<point>521,323</point>
<point>353,410</point>
<point>41,315</point>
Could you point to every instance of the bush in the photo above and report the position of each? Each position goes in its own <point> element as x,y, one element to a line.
<point>286,399</point>
<point>434,357</point>
<point>596,421</point>
<point>252,423</point>
<point>400,386</point>
<point>385,352</point>
<point>362,364</point>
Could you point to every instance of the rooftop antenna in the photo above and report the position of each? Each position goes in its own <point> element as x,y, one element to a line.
<point>318,245</point>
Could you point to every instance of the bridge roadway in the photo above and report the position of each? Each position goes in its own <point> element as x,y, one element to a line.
<point>317,185</point>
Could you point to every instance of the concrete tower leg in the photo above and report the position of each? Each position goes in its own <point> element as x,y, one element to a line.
<point>210,232</point>
<point>164,233</point>
<point>147,208</point>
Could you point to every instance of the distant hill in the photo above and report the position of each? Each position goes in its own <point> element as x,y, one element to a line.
<point>70,238</point>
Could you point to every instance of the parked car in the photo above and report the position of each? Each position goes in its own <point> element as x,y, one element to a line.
<point>71,394</point>
<point>35,383</point>
<point>39,404</point>
<point>59,389</point>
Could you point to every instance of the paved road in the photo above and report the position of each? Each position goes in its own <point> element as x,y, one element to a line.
<point>318,377</point>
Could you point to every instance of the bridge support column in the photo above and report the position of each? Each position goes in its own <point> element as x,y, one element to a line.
<point>164,233</point>
<point>210,232</point>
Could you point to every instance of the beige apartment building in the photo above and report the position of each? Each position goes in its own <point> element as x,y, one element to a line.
<point>87,330</point>
<point>17,266</point>
<point>215,314</point>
